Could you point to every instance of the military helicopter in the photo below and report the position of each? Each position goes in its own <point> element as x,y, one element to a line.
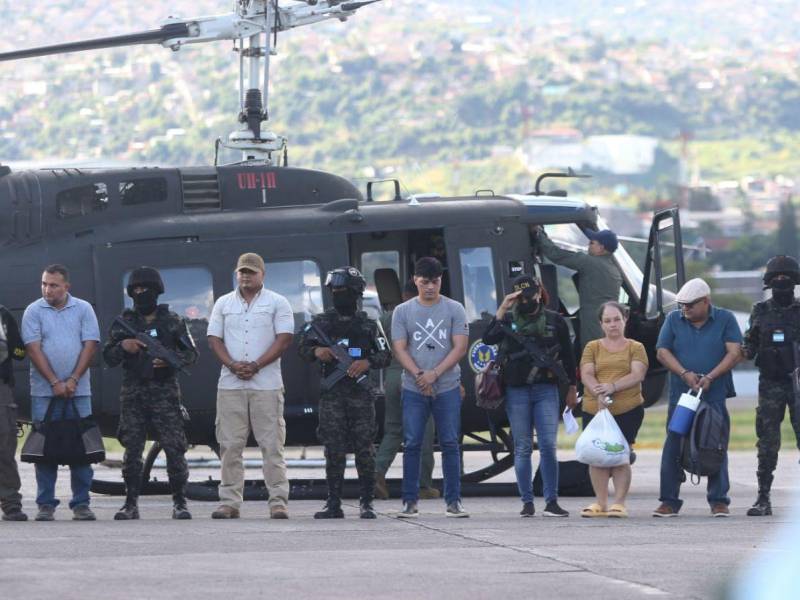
<point>192,223</point>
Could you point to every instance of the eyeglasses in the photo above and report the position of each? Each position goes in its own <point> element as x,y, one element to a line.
<point>684,305</point>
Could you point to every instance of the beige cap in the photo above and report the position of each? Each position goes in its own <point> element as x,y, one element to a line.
<point>692,290</point>
<point>250,260</point>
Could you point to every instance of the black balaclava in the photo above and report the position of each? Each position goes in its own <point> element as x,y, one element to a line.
<point>145,302</point>
<point>345,301</point>
<point>782,290</point>
<point>528,306</point>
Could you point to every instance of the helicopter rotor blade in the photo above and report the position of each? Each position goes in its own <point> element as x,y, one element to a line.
<point>348,6</point>
<point>156,36</point>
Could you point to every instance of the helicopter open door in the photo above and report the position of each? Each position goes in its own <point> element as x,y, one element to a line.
<point>663,275</point>
<point>664,270</point>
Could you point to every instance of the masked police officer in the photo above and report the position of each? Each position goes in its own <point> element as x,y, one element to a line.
<point>150,396</point>
<point>347,409</point>
<point>774,329</point>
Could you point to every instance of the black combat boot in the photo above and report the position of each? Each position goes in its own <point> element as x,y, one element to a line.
<point>332,510</point>
<point>762,506</point>
<point>179,509</point>
<point>366,509</point>
<point>333,506</point>
<point>129,510</point>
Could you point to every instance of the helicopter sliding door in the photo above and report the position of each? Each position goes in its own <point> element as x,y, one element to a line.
<point>482,262</point>
<point>664,274</point>
<point>188,270</point>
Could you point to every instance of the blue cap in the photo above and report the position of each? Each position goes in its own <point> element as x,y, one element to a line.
<point>606,237</point>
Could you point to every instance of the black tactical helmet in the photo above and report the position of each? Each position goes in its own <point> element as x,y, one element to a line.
<point>782,265</point>
<point>346,277</point>
<point>145,277</point>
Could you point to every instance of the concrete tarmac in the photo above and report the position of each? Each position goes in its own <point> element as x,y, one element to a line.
<point>493,554</point>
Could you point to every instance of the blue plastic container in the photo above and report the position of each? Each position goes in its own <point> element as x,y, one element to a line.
<point>683,415</point>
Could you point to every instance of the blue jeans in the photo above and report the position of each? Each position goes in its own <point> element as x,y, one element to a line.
<point>46,475</point>
<point>446,409</point>
<point>672,474</point>
<point>530,406</point>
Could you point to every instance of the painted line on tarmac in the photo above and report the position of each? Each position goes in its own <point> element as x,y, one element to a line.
<point>645,589</point>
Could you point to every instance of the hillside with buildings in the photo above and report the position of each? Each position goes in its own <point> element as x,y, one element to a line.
<point>689,102</point>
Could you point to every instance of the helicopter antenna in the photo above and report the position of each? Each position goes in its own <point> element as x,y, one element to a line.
<point>250,20</point>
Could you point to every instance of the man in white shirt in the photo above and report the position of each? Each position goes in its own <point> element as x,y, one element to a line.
<point>248,331</point>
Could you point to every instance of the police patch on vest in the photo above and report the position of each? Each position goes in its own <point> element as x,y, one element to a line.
<point>480,355</point>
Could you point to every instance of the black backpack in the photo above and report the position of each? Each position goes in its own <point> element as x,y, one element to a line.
<point>704,449</point>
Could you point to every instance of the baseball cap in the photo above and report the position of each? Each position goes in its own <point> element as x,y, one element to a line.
<point>250,260</point>
<point>606,237</point>
<point>526,284</point>
<point>692,290</point>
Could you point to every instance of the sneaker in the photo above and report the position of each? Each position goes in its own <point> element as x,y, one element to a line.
<point>381,489</point>
<point>14,514</point>
<point>527,510</point>
<point>456,510</point>
<point>409,511</point>
<point>554,510</point>
<point>225,512</point>
<point>278,511</point>
<point>46,513</point>
<point>720,510</point>
<point>429,493</point>
<point>665,511</point>
<point>82,512</point>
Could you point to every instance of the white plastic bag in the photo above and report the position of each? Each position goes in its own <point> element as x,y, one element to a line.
<point>570,424</point>
<point>602,444</point>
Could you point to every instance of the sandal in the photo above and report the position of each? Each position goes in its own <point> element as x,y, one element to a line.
<point>617,511</point>
<point>593,511</point>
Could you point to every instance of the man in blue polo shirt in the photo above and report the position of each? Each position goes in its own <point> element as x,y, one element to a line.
<point>60,333</point>
<point>699,344</point>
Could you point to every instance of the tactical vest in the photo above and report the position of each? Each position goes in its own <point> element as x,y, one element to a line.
<point>354,334</point>
<point>779,329</point>
<point>518,371</point>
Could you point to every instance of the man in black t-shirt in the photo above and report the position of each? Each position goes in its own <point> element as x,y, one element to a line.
<point>11,346</point>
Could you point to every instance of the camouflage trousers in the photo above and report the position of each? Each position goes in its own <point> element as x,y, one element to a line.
<point>773,398</point>
<point>10,497</point>
<point>152,408</point>
<point>347,424</point>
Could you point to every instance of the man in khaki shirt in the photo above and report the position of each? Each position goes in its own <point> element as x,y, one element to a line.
<point>248,331</point>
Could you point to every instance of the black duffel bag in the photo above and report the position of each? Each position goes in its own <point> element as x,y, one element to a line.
<point>67,441</point>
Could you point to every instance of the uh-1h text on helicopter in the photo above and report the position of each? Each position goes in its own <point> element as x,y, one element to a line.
<point>192,223</point>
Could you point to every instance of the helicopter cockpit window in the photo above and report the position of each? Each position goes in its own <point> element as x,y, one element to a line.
<point>299,282</point>
<point>143,191</point>
<point>480,290</point>
<point>189,291</point>
<point>372,261</point>
<point>82,200</point>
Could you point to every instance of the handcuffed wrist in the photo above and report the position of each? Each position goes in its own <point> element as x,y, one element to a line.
<point>55,382</point>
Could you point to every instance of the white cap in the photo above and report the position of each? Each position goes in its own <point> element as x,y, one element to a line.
<point>692,290</point>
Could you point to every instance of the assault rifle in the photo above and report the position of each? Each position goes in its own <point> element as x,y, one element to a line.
<point>343,361</point>
<point>152,348</point>
<point>541,359</point>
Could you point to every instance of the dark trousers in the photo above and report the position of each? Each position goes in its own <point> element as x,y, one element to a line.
<point>10,497</point>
